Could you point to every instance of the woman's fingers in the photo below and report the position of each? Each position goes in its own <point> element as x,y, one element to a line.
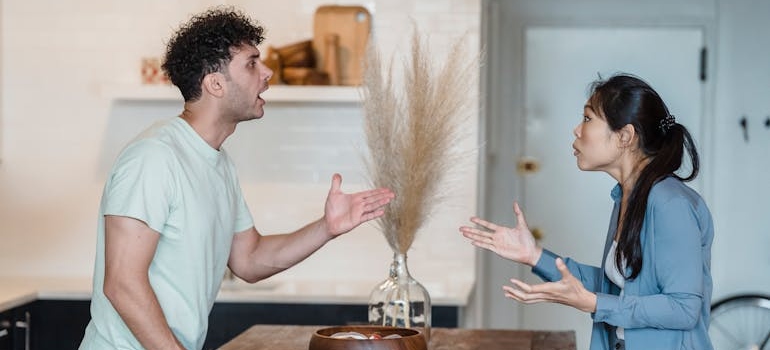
<point>519,215</point>
<point>522,286</point>
<point>521,296</point>
<point>562,267</point>
<point>474,233</point>
<point>478,238</point>
<point>549,291</point>
<point>483,223</point>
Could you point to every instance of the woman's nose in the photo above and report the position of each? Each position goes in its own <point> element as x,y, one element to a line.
<point>576,131</point>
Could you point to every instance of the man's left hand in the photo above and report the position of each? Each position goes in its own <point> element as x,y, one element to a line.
<point>345,211</point>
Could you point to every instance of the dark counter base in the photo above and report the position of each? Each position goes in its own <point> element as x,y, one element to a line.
<point>60,324</point>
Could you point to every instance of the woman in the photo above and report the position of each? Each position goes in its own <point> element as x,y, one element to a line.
<point>653,289</point>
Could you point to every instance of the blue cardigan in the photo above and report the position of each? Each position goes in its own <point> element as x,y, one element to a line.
<point>667,305</point>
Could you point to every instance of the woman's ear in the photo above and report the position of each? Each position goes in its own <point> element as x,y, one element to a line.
<point>627,135</point>
<point>213,84</point>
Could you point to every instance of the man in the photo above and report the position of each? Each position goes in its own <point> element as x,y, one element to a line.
<point>173,217</point>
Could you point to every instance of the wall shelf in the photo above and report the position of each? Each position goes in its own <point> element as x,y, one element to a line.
<point>276,93</point>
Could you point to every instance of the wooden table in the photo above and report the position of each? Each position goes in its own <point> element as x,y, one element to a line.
<point>262,337</point>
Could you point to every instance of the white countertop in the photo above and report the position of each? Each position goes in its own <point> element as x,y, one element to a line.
<point>16,291</point>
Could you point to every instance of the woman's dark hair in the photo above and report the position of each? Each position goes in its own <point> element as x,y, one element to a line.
<point>203,46</point>
<point>625,99</point>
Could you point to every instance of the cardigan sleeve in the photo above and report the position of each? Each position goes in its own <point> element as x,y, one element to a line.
<point>590,276</point>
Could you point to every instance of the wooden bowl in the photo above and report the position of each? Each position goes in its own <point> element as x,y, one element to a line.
<point>411,339</point>
<point>299,54</point>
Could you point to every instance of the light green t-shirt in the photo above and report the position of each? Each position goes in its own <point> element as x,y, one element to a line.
<point>181,187</point>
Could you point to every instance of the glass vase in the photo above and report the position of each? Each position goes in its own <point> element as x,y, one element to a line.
<point>400,301</point>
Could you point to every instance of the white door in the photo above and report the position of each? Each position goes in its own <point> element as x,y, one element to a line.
<point>572,208</point>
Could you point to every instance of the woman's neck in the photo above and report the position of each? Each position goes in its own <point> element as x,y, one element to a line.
<point>627,180</point>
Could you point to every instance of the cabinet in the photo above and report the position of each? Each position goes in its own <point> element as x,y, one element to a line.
<point>60,324</point>
<point>14,329</point>
<point>44,324</point>
<point>6,330</point>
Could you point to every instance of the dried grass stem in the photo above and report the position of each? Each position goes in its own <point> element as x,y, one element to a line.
<point>411,136</point>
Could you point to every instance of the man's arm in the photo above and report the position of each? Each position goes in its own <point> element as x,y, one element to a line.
<point>129,248</point>
<point>254,257</point>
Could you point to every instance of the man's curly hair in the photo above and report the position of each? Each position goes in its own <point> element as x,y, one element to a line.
<point>203,46</point>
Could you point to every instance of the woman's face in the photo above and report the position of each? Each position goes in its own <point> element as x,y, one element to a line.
<point>597,147</point>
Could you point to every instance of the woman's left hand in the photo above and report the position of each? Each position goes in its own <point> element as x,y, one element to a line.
<point>568,291</point>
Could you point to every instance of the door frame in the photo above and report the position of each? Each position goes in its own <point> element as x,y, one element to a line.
<point>502,85</point>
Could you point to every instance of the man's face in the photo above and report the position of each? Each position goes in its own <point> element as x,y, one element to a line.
<point>247,78</point>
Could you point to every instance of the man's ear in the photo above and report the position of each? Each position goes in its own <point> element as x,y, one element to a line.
<point>213,84</point>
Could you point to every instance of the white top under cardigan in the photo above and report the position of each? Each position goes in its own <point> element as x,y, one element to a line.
<point>612,272</point>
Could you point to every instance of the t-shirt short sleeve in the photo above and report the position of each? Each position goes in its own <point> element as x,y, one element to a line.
<point>141,185</point>
<point>243,221</point>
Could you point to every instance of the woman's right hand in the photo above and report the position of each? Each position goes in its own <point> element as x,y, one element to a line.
<point>516,244</point>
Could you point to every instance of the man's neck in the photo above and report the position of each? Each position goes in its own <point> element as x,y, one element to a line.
<point>208,124</point>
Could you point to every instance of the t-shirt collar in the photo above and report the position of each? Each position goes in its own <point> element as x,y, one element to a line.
<point>201,146</point>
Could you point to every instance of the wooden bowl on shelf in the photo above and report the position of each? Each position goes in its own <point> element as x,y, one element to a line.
<point>299,54</point>
<point>410,339</point>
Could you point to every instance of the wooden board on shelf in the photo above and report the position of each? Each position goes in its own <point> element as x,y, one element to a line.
<point>351,25</point>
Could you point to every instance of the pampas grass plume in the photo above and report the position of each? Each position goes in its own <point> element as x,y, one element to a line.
<point>411,135</point>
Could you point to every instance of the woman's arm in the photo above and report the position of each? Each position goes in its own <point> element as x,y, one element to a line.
<point>590,276</point>
<point>675,257</point>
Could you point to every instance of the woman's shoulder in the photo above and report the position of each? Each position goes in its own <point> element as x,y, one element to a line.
<point>673,190</point>
<point>672,187</point>
<point>671,200</point>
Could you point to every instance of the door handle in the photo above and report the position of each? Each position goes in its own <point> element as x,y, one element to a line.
<point>25,325</point>
<point>527,165</point>
<point>537,233</point>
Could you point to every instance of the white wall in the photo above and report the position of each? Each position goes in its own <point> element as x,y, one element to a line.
<point>741,188</point>
<point>60,134</point>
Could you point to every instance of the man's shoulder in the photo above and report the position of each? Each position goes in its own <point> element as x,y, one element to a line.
<point>158,139</point>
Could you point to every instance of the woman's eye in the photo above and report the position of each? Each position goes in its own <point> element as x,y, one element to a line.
<point>586,119</point>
